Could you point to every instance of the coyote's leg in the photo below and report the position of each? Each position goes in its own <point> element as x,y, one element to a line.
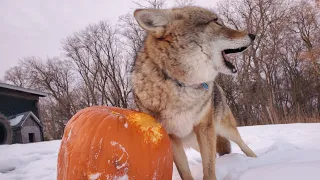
<point>207,142</point>
<point>223,146</point>
<point>233,134</point>
<point>228,129</point>
<point>180,158</point>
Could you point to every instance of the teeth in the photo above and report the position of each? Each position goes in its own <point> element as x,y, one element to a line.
<point>234,70</point>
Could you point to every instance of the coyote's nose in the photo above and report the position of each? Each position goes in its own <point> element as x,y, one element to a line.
<point>252,37</point>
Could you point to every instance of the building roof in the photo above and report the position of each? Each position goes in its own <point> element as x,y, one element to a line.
<point>18,120</point>
<point>16,88</point>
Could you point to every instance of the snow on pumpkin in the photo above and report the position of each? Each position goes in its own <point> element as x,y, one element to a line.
<point>110,143</point>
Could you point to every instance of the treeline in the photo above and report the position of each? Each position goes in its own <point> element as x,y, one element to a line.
<point>278,79</point>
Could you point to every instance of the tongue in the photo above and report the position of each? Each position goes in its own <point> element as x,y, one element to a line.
<point>228,63</point>
<point>225,56</point>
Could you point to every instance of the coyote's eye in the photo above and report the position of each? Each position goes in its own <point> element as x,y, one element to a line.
<point>215,20</point>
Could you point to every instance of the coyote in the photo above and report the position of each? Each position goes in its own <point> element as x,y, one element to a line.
<point>173,80</point>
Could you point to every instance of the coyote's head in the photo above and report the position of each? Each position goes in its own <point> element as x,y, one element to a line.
<point>191,43</point>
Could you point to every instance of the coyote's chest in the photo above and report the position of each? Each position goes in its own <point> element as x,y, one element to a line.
<point>183,114</point>
<point>182,123</point>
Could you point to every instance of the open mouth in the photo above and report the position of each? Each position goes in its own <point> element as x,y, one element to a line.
<point>227,61</point>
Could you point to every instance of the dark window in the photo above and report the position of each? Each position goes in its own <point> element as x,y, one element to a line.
<point>31,137</point>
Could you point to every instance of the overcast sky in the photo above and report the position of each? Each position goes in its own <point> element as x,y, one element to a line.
<point>36,27</point>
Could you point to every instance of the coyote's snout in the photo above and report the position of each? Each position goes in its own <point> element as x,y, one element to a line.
<point>233,41</point>
<point>173,80</point>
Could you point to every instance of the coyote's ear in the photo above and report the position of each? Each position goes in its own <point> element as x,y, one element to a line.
<point>153,20</point>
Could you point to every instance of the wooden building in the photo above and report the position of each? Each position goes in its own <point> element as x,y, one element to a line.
<point>26,128</point>
<point>19,120</point>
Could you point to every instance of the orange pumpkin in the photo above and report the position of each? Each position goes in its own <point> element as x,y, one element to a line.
<point>110,143</point>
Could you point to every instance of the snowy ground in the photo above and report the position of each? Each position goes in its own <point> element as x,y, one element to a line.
<point>285,152</point>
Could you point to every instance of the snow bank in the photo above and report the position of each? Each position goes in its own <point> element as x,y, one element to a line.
<point>284,152</point>
<point>29,161</point>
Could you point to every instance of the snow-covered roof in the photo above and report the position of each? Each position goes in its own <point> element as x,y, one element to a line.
<point>16,88</point>
<point>18,120</point>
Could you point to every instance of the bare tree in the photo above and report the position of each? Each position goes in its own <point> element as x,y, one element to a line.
<point>132,35</point>
<point>269,86</point>
<point>181,3</point>
<point>98,58</point>
<point>157,4</point>
<point>18,76</point>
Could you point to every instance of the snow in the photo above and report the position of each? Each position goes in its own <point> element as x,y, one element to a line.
<point>94,176</point>
<point>29,161</point>
<point>69,134</point>
<point>126,125</point>
<point>284,152</point>
<point>123,155</point>
<point>124,177</point>
<point>16,120</point>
